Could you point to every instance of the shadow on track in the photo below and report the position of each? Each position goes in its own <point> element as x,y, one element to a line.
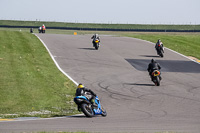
<point>152,56</point>
<point>87,48</point>
<point>139,84</point>
<point>82,116</point>
<point>183,66</point>
<point>78,116</point>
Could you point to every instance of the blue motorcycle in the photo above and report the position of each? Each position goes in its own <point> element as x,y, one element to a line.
<point>87,108</point>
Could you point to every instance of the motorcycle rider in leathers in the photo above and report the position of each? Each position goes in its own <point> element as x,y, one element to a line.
<point>89,94</point>
<point>153,66</point>
<point>159,43</point>
<point>94,37</point>
<point>43,27</point>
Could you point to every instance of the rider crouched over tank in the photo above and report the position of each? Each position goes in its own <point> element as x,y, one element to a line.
<point>94,37</point>
<point>88,102</point>
<point>89,94</point>
<point>153,66</point>
<point>159,42</point>
<point>42,29</point>
<point>159,48</point>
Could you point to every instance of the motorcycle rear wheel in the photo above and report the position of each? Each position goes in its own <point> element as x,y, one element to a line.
<point>157,83</point>
<point>87,110</point>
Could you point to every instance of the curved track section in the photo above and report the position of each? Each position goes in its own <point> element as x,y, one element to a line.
<point>117,73</point>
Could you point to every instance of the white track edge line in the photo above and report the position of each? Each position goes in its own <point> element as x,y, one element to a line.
<point>170,50</point>
<point>34,119</point>
<point>56,62</point>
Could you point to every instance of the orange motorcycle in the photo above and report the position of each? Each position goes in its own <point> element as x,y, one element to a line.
<point>156,78</point>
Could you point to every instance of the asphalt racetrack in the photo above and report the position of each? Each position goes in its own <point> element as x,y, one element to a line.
<point>117,73</point>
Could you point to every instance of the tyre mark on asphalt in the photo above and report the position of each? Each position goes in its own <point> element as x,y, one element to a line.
<point>112,93</point>
<point>176,96</point>
<point>122,97</point>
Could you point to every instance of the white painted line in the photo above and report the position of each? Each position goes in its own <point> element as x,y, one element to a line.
<point>170,50</point>
<point>56,62</point>
<point>33,119</point>
<point>183,55</point>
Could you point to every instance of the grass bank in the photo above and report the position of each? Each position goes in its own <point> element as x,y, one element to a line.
<point>93,25</point>
<point>31,85</point>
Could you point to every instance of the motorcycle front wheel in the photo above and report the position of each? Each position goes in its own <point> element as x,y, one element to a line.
<point>96,46</point>
<point>104,113</point>
<point>161,54</point>
<point>87,110</point>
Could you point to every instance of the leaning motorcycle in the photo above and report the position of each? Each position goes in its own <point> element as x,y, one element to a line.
<point>40,29</point>
<point>87,108</point>
<point>156,78</point>
<point>160,50</point>
<point>96,43</point>
<point>43,30</point>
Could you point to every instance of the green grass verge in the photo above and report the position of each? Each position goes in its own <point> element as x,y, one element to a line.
<point>90,25</point>
<point>185,43</point>
<point>30,83</point>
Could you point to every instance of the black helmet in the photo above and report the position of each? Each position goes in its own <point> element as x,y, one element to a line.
<point>152,60</point>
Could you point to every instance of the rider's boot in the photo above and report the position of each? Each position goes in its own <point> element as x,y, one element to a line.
<point>151,78</point>
<point>93,103</point>
<point>163,49</point>
<point>79,108</point>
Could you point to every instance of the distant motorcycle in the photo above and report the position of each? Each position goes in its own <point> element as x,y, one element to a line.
<point>31,30</point>
<point>87,108</point>
<point>160,50</point>
<point>96,43</point>
<point>41,30</point>
<point>156,78</point>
